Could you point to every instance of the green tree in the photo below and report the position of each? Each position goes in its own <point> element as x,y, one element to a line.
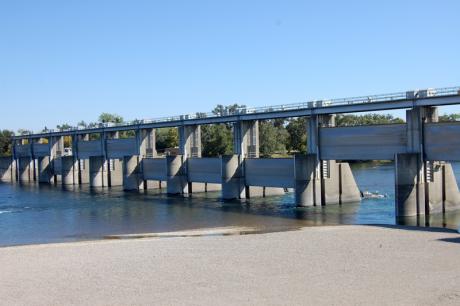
<point>367,119</point>
<point>297,130</point>
<point>6,142</point>
<point>82,124</point>
<point>273,139</point>
<point>63,127</point>
<point>449,117</point>
<point>221,110</point>
<point>167,138</point>
<point>216,139</point>
<point>112,118</point>
<point>24,132</point>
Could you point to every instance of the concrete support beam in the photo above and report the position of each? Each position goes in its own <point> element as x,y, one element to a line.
<point>246,138</point>
<point>56,146</point>
<point>83,171</point>
<point>68,170</point>
<point>25,173</point>
<point>96,171</point>
<point>147,143</point>
<point>330,183</point>
<point>6,169</point>
<point>190,141</point>
<point>307,183</point>
<point>233,186</point>
<point>176,176</point>
<point>116,171</point>
<point>132,179</point>
<point>45,172</point>
<point>410,193</point>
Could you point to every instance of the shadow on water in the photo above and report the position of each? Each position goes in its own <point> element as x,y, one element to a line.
<point>47,213</point>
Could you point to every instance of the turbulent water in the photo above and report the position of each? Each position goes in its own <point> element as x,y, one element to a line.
<point>32,214</point>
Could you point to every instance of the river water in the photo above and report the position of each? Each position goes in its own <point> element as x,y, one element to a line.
<point>31,214</point>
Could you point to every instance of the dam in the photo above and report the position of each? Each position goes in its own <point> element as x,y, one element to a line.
<point>421,148</point>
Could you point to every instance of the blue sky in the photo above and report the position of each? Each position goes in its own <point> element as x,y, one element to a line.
<point>65,61</point>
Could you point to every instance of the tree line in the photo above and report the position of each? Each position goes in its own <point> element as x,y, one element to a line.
<point>277,137</point>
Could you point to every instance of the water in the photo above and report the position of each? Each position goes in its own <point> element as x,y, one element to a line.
<point>31,214</point>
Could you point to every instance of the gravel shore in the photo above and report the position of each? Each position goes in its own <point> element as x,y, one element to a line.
<point>338,265</point>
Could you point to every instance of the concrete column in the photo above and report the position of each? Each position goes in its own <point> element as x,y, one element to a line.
<point>82,165</point>
<point>307,181</point>
<point>68,170</point>
<point>410,194</point>
<point>412,190</point>
<point>44,170</point>
<point>96,171</point>
<point>24,169</point>
<point>115,166</point>
<point>57,150</point>
<point>147,143</point>
<point>177,180</point>
<point>56,146</point>
<point>190,141</point>
<point>131,173</point>
<point>6,169</point>
<point>83,171</point>
<point>246,138</point>
<point>233,186</point>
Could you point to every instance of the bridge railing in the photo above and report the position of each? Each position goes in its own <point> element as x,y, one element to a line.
<point>416,94</point>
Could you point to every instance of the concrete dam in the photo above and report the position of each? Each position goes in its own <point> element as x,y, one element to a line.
<point>421,150</point>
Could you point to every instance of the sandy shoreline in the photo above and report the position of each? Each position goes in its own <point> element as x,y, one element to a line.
<point>336,265</point>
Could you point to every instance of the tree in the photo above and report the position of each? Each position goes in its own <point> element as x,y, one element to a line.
<point>449,117</point>
<point>221,110</point>
<point>367,119</point>
<point>216,140</point>
<point>24,132</point>
<point>6,142</point>
<point>63,127</point>
<point>82,124</point>
<point>297,130</point>
<point>113,118</point>
<point>167,138</point>
<point>273,139</point>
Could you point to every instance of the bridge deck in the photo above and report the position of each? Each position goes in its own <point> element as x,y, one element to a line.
<point>401,100</point>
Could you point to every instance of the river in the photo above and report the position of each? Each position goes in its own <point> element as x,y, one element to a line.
<point>32,214</point>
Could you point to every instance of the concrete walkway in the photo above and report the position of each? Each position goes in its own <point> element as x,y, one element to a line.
<point>343,265</point>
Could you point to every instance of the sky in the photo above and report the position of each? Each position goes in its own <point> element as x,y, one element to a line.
<point>67,61</point>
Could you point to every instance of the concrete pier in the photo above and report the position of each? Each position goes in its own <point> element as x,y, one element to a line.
<point>6,169</point>
<point>246,138</point>
<point>190,141</point>
<point>131,173</point>
<point>116,172</point>
<point>176,176</point>
<point>44,170</point>
<point>147,142</point>
<point>418,193</point>
<point>96,171</point>
<point>83,171</point>
<point>410,193</point>
<point>232,178</point>
<point>68,170</point>
<point>307,184</point>
<point>25,173</point>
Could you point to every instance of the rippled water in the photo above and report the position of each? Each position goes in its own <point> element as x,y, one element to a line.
<point>42,214</point>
